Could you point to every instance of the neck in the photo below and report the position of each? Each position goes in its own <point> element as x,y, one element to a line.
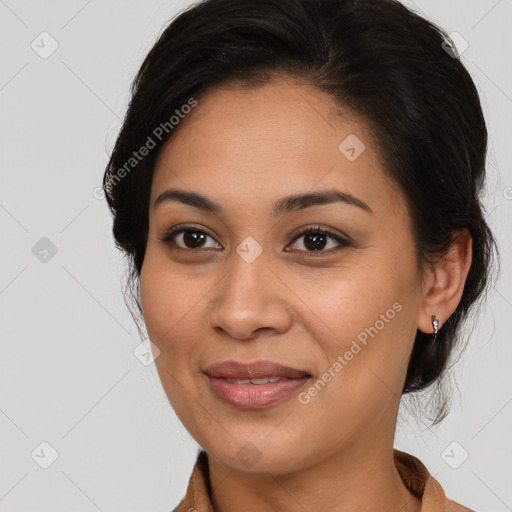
<point>354,478</point>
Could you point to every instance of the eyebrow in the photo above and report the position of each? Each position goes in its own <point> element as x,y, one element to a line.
<point>285,205</point>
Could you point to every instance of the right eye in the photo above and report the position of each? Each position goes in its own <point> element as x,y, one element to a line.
<point>187,238</point>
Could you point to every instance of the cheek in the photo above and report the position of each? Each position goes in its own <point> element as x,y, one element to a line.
<point>354,300</point>
<point>165,305</point>
<point>151,298</point>
<point>161,300</point>
<point>369,337</point>
<point>170,303</point>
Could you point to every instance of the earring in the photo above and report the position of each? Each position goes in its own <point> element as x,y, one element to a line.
<point>435,323</point>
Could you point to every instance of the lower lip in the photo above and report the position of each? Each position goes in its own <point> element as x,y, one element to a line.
<point>254,396</point>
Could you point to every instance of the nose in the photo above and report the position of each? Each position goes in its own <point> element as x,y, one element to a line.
<point>249,299</point>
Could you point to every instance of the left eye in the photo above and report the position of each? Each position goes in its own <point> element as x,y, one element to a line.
<point>315,240</point>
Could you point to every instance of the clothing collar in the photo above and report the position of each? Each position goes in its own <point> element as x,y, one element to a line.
<point>413,472</point>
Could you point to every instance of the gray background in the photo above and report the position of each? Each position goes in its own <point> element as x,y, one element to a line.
<point>68,373</point>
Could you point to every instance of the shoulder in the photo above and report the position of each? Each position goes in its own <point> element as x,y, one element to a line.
<point>198,495</point>
<point>421,483</point>
<point>452,506</point>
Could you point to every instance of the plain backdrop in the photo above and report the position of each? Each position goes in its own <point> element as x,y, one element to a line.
<point>74,396</point>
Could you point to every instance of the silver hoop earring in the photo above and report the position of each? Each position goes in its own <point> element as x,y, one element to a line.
<point>435,323</point>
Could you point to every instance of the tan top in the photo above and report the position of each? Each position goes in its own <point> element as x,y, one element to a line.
<point>412,471</point>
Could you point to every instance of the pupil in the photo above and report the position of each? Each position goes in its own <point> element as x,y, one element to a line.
<point>317,241</point>
<point>192,237</point>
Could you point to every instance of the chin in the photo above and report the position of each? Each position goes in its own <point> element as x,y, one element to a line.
<point>258,455</point>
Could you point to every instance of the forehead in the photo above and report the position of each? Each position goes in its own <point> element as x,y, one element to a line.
<point>244,145</point>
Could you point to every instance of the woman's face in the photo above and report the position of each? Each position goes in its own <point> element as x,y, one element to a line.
<point>239,284</point>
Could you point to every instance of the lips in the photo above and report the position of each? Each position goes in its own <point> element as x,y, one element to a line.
<point>254,385</point>
<point>256,370</point>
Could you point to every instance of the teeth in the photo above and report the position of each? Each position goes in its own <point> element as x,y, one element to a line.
<point>260,381</point>
<point>254,381</point>
<point>234,381</point>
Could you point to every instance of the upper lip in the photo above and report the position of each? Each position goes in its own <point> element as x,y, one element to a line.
<point>255,370</point>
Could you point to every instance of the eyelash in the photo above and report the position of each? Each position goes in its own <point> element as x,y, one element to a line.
<point>168,239</point>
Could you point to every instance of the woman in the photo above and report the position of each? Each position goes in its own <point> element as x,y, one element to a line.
<point>296,188</point>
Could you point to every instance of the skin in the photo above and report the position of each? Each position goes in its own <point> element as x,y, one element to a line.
<point>245,149</point>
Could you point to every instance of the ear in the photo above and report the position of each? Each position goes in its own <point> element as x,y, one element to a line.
<point>444,284</point>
